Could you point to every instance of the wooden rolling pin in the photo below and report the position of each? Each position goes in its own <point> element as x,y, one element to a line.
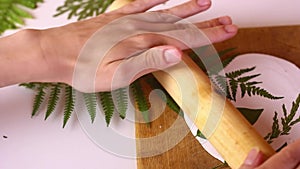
<point>222,124</point>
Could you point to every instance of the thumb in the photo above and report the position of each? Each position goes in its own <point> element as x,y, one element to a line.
<point>153,59</point>
<point>254,159</point>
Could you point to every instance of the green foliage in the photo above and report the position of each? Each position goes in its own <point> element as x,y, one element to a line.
<point>39,98</point>
<point>107,105</point>
<point>287,121</point>
<point>251,115</point>
<point>90,102</point>
<point>29,85</point>
<point>13,12</point>
<point>69,104</point>
<point>122,101</point>
<point>237,80</point>
<point>53,99</point>
<point>200,134</point>
<point>141,100</point>
<point>83,8</point>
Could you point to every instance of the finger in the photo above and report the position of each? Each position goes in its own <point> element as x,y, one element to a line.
<point>154,59</point>
<point>193,37</point>
<point>225,20</point>
<point>220,33</point>
<point>254,159</point>
<point>288,158</point>
<point>138,6</point>
<point>188,9</point>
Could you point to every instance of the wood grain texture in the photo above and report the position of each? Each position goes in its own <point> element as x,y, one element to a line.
<point>283,42</point>
<point>186,154</point>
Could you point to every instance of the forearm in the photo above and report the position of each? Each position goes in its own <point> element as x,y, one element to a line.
<point>21,58</point>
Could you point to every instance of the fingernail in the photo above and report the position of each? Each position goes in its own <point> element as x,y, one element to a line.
<point>252,157</point>
<point>172,56</point>
<point>230,28</point>
<point>225,20</point>
<point>203,2</point>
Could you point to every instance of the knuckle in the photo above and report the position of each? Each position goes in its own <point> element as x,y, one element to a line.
<point>153,59</point>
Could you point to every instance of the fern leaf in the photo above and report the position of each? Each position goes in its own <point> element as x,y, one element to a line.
<point>252,83</point>
<point>251,115</point>
<point>275,129</point>
<point>247,78</point>
<point>200,134</point>
<point>83,9</point>
<point>108,105</point>
<point>141,100</point>
<point>233,86</point>
<point>243,89</point>
<point>31,85</point>
<point>90,103</point>
<point>39,98</point>
<point>53,99</point>
<point>294,109</point>
<point>221,83</point>
<point>12,15</point>
<point>122,101</point>
<point>237,73</point>
<point>228,60</point>
<point>262,92</point>
<point>69,104</point>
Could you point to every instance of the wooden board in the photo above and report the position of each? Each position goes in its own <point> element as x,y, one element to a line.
<point>283,42</point>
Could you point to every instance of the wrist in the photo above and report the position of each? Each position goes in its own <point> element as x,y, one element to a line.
<point>21,58</point>
<point>60,51</point>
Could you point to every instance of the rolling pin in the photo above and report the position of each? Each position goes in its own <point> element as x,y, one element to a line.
<point>219,121</point>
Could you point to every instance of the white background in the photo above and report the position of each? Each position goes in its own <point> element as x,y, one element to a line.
<point>33,143</point>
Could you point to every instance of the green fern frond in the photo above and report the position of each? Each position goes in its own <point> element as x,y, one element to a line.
<point>53,99</point>
<point>39,98</point>
<point>233,87</point>
<point>141,100</point>
<point>247,78</point>
<point>12,13</point>
<point>254,90</point>
<point>240,72</point>
<point>287,121</point>
<point>246,86</point>
<point>200,134</point>
<point>83,8</point>
<point>90,100</point>
<point>228,60</point>
<point>31,85</point>
<point>69,104</point>
<point>122,101</point>
<point>107,105</point>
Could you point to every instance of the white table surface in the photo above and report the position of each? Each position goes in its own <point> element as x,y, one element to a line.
<point>33,143</point>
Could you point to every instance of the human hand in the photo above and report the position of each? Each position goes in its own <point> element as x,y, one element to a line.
<point>61,46</point>
<point>287,158</point>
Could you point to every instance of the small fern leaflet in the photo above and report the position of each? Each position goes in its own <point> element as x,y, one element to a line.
<point>107,105</point>
<point>69,104</point>
<point>90,103</point>
<point>39,98</point>
<point>141,100</point>
<point>53,99</point>
<point>122,101</point>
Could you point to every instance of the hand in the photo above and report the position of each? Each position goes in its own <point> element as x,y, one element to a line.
<point>51,54</point>
<point>287,158</point>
